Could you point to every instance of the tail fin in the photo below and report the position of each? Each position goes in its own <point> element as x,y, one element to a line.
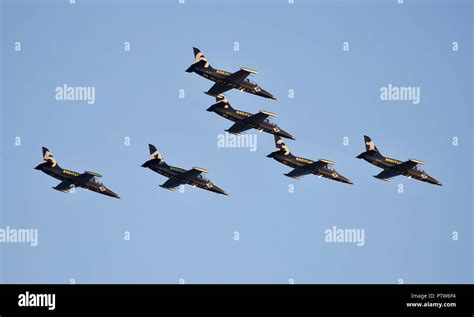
<point>199,56</point>
<point>154,154</point>
<point>221,98</point>
<point>280,145</point>
<point>369,144</point>
<point>48,157</point>
<point>221,101</point>
<point>199,59</point>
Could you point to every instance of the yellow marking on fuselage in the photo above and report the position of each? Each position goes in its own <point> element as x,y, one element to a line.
<point>243,113</point>
<point>393,161</point>
<point>303,160</point>
<point>70,173</point>
<point>176,169</point>
<point>222,72</point>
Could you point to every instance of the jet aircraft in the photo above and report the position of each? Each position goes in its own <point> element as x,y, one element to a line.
<point>224,80</point>
<point>392,167</point>
<point>70,179</point>
<point>302,166</point>
<point>178,176</point>
<point>245,121</point>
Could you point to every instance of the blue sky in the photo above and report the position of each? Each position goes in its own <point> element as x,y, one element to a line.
<point>190,235</point>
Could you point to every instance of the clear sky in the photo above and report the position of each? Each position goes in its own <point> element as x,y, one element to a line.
<point>190,235</point>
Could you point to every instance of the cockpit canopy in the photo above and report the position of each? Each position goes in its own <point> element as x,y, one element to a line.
<point>269,122</point>
<point>250,81</point>
<point>419,169</point>
<point>203,178</point>
<point>96,180</point>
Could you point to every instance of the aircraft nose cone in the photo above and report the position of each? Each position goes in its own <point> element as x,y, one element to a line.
<point>345,180</point>
<point>110,193</point>
<point>436,182</point>
<point>219,190</point>
<point>285,134</point>
<point>266,94</point>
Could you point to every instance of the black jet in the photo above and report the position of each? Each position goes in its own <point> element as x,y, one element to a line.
<point>70,179</point>
<point>178,176</point>
<point>302,166</point>
<point>245,121</point>
<point>225,81</point>
<point>392,167</point>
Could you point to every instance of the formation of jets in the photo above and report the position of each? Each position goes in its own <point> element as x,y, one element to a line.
<point>243,121</point>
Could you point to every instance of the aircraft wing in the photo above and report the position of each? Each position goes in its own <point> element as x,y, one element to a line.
<point>237,77</point>
<point>259,117</point>
<point>84,177</point>
<point>298,172</point>
<point>387,173</point>
<point>171,183</point>
<point>218,88</point>
<point>238,127</point>
<point>64,186</point>
<point>405,166</point>
<point>192,173</point>
<point>320,163</point>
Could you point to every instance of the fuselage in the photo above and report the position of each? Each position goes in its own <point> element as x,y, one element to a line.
<point>241,116</point>
<point>383,162</point>
<point>220,76</point>
<point>175,172</point>
<point>304,163</point>
<point>68,175</point>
